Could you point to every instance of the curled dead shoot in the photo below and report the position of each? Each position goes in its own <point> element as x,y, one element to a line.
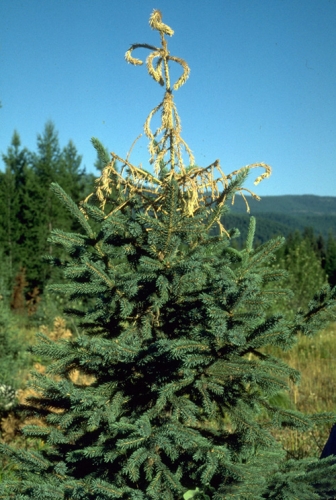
<point>171,141</point>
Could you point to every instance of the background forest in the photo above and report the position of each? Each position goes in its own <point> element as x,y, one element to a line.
<point>29,211</point>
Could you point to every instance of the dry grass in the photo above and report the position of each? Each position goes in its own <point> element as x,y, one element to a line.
<point>315,359</point>
<point>11,425</point>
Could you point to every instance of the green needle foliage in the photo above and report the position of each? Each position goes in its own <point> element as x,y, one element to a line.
<point>173,339</point>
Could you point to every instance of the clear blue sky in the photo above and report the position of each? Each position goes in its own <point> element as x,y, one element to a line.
<point>262,85</point>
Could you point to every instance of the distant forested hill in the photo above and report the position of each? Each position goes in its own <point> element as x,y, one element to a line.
<point>281,215</point>
<point>306,204</point>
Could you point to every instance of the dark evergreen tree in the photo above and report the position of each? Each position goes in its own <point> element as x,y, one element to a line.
<point>317,244</point>
<point>330,265</point>
<point>13,185</point>
<point>24,189</point>
<point>70,173</point>
<point>53,164</point>
<point>49,165</point>
<point>321,250</point>
<point>180,402</point>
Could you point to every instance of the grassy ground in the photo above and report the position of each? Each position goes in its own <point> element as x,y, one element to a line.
<point>315,359</point>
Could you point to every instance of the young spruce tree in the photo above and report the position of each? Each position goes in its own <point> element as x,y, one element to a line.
<point>180,403</point>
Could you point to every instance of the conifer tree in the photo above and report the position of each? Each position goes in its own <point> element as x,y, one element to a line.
<point>179,406</point>
<point>13,191</point>
<point>305,274</point>
<point>330,266</point>
<point>25,188</point>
